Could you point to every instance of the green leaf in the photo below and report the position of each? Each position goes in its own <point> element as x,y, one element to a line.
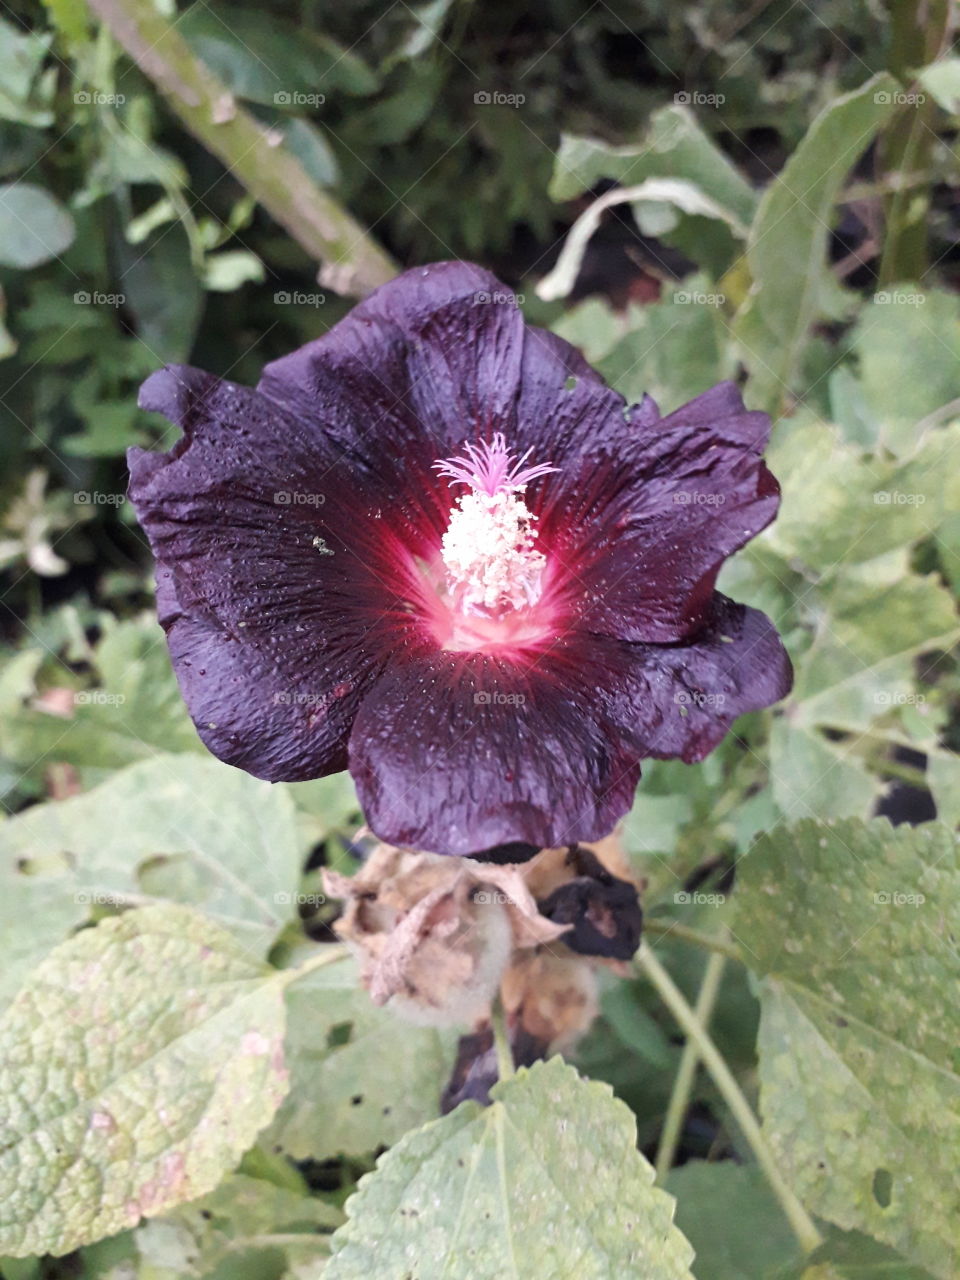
<point>324,805</point>
<point>942,79</point>
<point>162,292</point>
<point>22,55</point>
<point>228,271</point>
<point>595,327</point>
<point>860,664</point>
<point>242,1214</point>
<point>544,1183</point>
<point>865,506</point>
<point>674,146</point>
<point>907,344</point>
<point>360,1077</point>
<point>182,827</point>
<point>786,250</point>
<point>137,1065</point>
<point>813,777</point>
<point>136,712</point>
<point>849,1255</point>
<point>853,927</point>
<point>38,909</point>
<point>675,348</point>
<point>268,59</point>
<point>731,1217</point>
<point>34,227</point>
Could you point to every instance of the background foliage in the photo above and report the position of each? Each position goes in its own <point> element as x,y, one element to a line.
<point>764,174</point>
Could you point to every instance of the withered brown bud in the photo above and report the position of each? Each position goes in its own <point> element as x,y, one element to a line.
<point>603,911</point>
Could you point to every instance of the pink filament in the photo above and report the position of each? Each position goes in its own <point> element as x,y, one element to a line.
<point>490,467</point>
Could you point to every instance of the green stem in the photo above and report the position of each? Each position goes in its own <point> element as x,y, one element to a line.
<point>501,1040</point>
<point>689,1060</point>
<point>917,29</point>
<point>352,262</point>
<point>280,1240</point>
<point>803,1225</point>
<point>659,928</point>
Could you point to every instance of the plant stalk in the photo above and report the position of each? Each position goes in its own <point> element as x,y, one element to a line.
<point>683,933</point>
<point>917,32</point>
<point>804,1228</point>
<point>501,1040</point>
<point>351,262</point>
<point>689,1060</point>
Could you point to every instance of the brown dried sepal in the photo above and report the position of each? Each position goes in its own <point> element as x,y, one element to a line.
<point>435,934</point>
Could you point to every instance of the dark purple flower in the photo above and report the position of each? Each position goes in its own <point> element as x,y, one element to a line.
<point>435,548</point>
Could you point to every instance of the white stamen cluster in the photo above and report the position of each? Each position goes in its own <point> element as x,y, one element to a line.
<point>488,551</point>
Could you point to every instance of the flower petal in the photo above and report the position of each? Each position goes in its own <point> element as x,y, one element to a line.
<point>642,535</point>
<point>678,701</point>
<point>456,756</point>
<point>272,615</point>
<point>429,359</point>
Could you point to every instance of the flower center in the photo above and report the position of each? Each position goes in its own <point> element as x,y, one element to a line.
<point>491,563</point>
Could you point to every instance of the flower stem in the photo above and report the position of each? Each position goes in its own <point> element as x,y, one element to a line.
<point>501,1040</point>
<point>683,933</point>
<point>686,1073</point>
<point>352,262</point>
<point>802,1224</point>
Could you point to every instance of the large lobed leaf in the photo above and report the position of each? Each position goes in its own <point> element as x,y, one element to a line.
<point>137,1065</point>
<point>854,928</point>
<point>545,1183</point>
<point>177,826</point>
